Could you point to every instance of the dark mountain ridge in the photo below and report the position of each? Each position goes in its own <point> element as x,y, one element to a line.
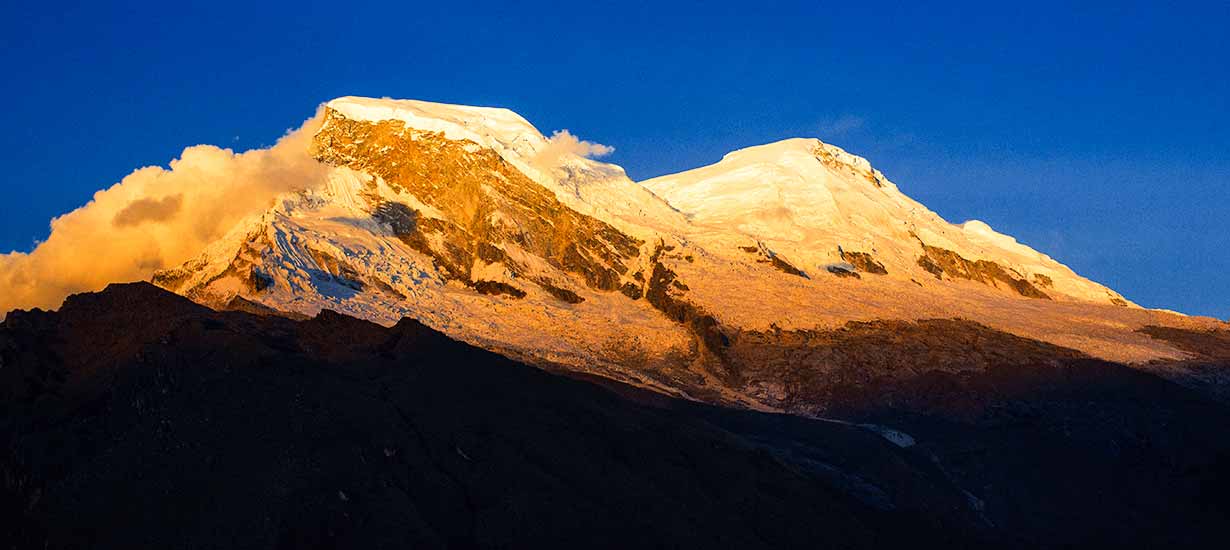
<point>134,417</point>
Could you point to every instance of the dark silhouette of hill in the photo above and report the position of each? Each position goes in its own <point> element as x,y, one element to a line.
<point>136,418</point>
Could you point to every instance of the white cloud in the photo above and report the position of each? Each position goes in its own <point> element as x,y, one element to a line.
<point>562,144</point>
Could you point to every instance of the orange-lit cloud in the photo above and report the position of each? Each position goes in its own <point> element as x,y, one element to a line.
<point>150,209</point>
<point>156,218</point>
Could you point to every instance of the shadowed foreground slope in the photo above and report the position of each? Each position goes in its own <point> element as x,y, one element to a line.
<point>134,417</point>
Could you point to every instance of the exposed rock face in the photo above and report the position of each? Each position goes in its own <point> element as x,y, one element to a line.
<point>483,204</point>
<point>837,161</point>
<point>862,261</point>
<point>844,271</point>
<point>660,293</point>
<point>939,261</point>
<point>766,256</point>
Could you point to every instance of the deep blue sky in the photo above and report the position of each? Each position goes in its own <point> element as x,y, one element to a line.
<point>1098,134</point>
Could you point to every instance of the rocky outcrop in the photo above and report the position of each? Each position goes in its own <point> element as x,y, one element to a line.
<point>841,162</point>
<point>940,261</point>
<point>661,292</point>
<point>843,271</point>
<point>766,256</point>
<point>862,261</point>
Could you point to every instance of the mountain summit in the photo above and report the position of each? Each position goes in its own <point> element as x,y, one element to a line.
<point>824,206</point>
<point>475,223</point>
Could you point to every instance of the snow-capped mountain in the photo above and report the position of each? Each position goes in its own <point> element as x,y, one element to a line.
<point>473,222</point>
<point>824,207</point>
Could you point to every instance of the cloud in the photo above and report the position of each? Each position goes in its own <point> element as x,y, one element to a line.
<point>155,218</point>
<point>566,142</point>
<point>562,144</point>
<point>148,210</point>
<point>840,126</point>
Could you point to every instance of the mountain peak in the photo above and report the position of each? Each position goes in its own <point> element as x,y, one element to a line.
<point>820,206</point>
<point>798,149</point>
<point>502,130</point>
<point>772,149</point>
<point>423,114</point>
<point>797,164</point>
<point>559,163</point>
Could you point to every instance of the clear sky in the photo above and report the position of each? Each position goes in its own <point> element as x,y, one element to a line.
<point>1098,134</point>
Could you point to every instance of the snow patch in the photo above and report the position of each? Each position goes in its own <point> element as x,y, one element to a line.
<point>898,438</point>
